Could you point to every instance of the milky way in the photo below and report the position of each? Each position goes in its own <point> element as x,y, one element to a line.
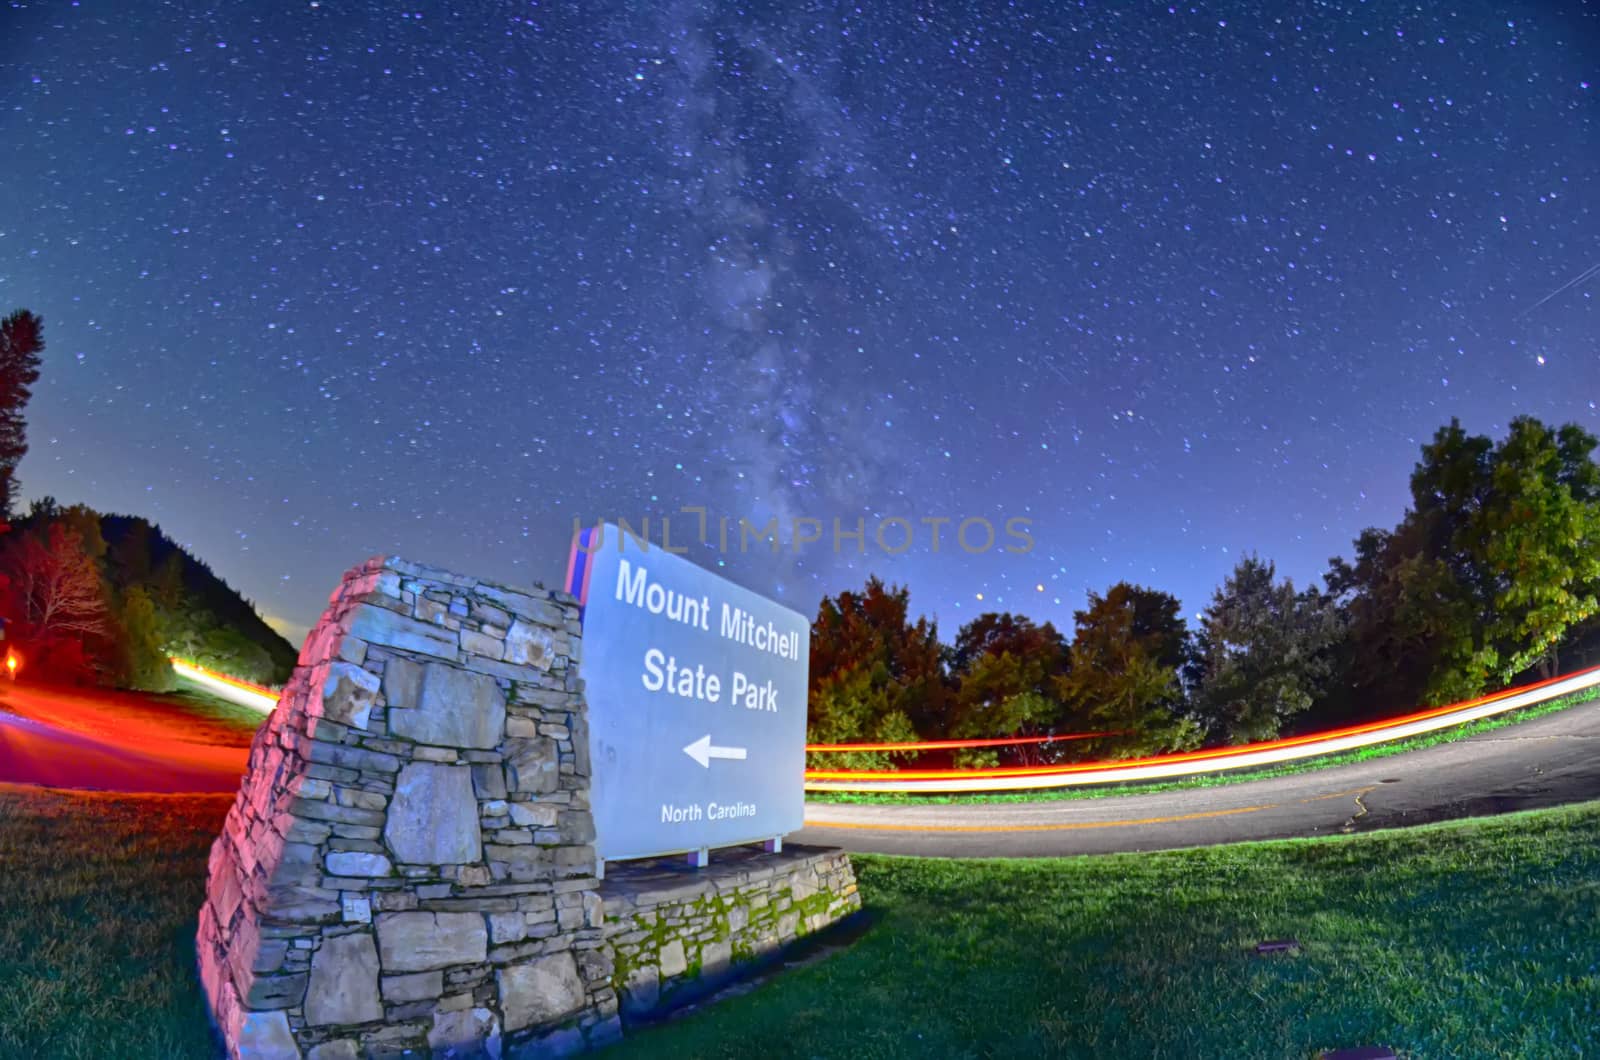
<point>323,279</point>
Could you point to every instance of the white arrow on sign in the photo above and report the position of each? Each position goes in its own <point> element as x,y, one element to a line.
<point>703,752</point>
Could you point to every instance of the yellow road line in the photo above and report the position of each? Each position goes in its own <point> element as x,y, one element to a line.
<point>1065,826</point>
<point>1352,793</point>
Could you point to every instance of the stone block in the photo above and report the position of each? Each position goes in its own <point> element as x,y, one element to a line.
<point>522,863</point>
<point>454,708</point>
<point>489,781</point>
<point>715,957</point>
<point>265,1036</point>
<point>594,966</point>
<point>529,645</point>
<point>347,696</point>
<point>519,603</point>
<point>642,989</point>
<point>377,625</point>
<point>488,614</point>
<point>433,817</point>
<point>356,758</point>
<point>332,813</point>
<point>297,904</point>
<point>533,814</point>
<point>402,682</point>
<point>357,863</point>
<point>507,927</point>
<point>483,644</point>
<point>469,1032</point>
<point>344,982</point>
<point>673,962</point>
<point>531,765</point>
<point>418,986</point>
<point>419,942</point>
<point>576,827</point>
<point>540,991</point>
<point>424,753</point>
<point>272,991</point>
<point>432,612</point>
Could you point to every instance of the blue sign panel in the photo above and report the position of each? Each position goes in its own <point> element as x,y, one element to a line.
<point>697,701</point>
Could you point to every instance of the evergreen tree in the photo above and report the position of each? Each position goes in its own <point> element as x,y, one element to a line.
<point>21,343</point>
<point>1263,654</point>
<point>1123,678</point>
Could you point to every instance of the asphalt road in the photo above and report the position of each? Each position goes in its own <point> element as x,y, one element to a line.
<point>1550,760</point>
<point>117,742</point>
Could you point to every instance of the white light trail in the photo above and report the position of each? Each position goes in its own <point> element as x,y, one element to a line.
<point>1163,768</point>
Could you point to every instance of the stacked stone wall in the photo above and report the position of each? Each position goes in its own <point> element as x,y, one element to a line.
<point>675,934</point>
<point>409,866</point>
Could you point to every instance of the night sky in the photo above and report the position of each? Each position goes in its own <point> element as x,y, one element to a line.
<point>326,279</point>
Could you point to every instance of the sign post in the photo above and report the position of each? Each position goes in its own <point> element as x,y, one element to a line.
<point>697,703</point>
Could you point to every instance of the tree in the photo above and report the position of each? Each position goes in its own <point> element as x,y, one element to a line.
<point>1498,557</point>
<point>1263,654</point>
<point>1539,536</point>
<point>59,599</point>
<point>1402,608</point>
<point>850,706</point>
<point>1003,669</point>
<point>226,649</point>
<point>83,521</point>
<point>147,665</point>
<point>1123,677</point>
<point>21,343</point>
<point>873,671</point>
<point>167,582</point>
<point>129,554</point>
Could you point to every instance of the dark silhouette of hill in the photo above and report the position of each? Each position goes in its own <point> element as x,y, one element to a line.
<point>204,617</point>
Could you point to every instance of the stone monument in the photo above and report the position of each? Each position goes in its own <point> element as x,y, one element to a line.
<point>409,866</point>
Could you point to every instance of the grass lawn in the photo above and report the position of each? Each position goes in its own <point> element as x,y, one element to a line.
<point>1211,780</point>
<point>98,900</point>
<point>1466,939</point>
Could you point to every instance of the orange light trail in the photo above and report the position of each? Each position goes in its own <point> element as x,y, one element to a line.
<point>947,745</point>
<point>1013,778</point>
<point>1021,778</point>
<point>238,691</point>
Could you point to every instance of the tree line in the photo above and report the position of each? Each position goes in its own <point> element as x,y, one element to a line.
<point>108,599</point>
<point>105,599</point>
<point>1490,577</point>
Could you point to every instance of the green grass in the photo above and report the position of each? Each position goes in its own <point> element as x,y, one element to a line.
<point>203,703</point>
<point>1211,780</point>
<point>98,900</point>
<point>1466,939</point>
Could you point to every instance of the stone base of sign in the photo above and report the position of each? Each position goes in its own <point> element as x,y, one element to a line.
<point>676,933</point>
<point>408,869</point>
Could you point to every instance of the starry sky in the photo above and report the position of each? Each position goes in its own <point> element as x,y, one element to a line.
<point>324,279</point>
